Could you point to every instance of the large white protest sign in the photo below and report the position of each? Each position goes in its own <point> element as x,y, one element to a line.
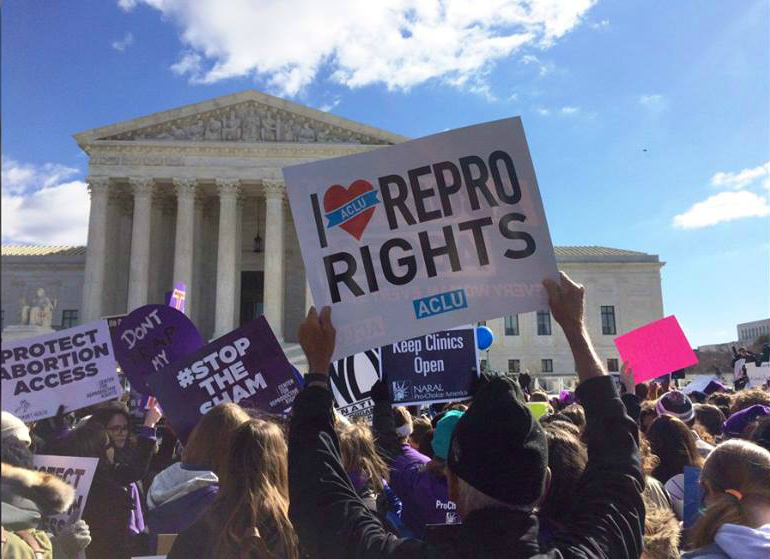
<point>423,236</point>
<point>74,368</point>
<point>351,381</point>
<point>76,471</point>
<point>758,376</point>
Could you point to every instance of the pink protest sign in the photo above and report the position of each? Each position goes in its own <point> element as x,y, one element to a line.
<point>656,349</point>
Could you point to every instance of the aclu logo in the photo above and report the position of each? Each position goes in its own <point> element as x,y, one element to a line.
<point>401,390</point>
<point>440,303</point>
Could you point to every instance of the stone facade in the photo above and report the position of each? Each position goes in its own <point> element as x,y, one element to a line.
<point>748,332</point>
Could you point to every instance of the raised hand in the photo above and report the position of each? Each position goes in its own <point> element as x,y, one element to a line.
<point>566,300</point>
<point>317,336</point>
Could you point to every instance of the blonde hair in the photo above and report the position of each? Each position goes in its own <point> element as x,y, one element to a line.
<point>254,492</point>
<point>401,418</point>
<point>734,465</point>
<point>661,532</point>
<point>747,398</point>
<point>209,441</point>
<point>359,454</point>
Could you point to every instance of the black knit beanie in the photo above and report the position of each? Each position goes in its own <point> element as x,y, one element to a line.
<point>498,447</point>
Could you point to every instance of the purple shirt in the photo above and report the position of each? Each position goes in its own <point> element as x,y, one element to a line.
<point>425,498</point>
<point>409,458</point>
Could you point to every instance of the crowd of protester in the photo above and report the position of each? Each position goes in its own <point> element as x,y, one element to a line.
<point>600,474</point>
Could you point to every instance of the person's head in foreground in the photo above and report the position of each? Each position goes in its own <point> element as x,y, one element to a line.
<point>209,442</point>
<point>674,444</point>
<point>253,494</point>
<point>498,455</point>
<point>736,487</point>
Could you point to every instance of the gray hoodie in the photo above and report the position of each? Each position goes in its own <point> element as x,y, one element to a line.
<point>736,542</point>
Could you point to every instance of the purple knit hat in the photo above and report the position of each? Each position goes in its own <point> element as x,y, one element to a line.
<point>738,421</point>
<point>676,404</point>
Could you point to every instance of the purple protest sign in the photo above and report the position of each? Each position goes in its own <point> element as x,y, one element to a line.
<point>246,366</point>
<point>176,297</point>
<point>149,339</point>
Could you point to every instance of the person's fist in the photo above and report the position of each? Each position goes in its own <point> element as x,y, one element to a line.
<point>316,336</point>
<point>566,301</point>
<point>153,415</point>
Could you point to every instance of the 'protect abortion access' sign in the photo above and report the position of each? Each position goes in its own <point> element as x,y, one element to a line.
<point>423,236</point>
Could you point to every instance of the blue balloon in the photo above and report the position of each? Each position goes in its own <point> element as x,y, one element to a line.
<point>484,337</point>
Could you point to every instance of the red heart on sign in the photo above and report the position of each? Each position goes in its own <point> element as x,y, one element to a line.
<point>337,196</point>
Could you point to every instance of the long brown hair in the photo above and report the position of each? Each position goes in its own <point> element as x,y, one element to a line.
<point>209,441</point>
<point>359,454</point>
<point>673,442</point>
<point>734,465</point>
<point>254,493</point>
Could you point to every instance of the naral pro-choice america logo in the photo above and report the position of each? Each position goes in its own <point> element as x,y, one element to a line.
<point>351,208</point>
<point>401,390</point>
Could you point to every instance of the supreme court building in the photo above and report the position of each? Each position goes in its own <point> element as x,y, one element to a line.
<point>196,195</point>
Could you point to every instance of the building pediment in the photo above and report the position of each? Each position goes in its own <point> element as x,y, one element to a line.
<point>249,116</point>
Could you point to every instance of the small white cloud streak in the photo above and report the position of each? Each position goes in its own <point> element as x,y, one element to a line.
<point>124,43</point>
<point>651,100</point>
<point>743,178</point>
<point>721,208</point>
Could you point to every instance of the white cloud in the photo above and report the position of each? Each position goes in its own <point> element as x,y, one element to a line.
<point>651,99</point>
<point>127,5</point>
<point>722,207</point>
<point>543,111</point>
<point>326,107</point>
<point>602,24</point>
<point>124,43</point>
<point>18,178</point>
<point>400,43</point>
<point>743,178</point>
<point>37,207</point>
<point>567,110</point>
<point>543,67</point>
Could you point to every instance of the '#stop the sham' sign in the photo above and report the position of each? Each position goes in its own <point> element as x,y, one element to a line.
<point>423,236</point>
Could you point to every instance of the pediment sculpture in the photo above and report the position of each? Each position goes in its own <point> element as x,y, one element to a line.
<point>247,122</point>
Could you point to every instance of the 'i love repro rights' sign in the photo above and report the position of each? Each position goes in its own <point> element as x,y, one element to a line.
<point>423,236</point>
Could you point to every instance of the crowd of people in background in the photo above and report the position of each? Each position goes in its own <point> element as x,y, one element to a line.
<point>600,474</point>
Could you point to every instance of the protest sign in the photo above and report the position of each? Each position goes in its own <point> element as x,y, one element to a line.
<point>758,376</point>
<point>656,349</point>
<point>423,236</point>
<point>246,366</point>
<point>114,320</point>
<point>693,496</point>
<point>73,368</point>
<point>150,338</point>
<point>76,471</point>
<point>351,381</point>
<point>439,367</point>
<point>699,383</point>
<point>176,297</point>
<point>539,409</point>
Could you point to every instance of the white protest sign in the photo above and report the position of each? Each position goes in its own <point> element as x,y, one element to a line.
<point>423,236</point>
<point>351,381</point>
<point>74,368</point>
<point>699,383</point>
<point>76,471</point>
<point>758,376</point>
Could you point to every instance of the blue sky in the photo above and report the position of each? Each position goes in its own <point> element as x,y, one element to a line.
<point>647,122</point>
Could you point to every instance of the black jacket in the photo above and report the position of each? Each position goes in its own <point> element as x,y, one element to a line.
<point>332,522</point>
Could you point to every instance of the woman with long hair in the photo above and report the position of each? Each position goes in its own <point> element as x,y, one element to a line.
<point>736,487</point>
<point>366,470</point>
<point>180,493</point>
<point>250,516</point>
<point>674,444</point>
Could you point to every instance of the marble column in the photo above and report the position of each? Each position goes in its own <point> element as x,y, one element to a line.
<point>273,279</point>
<point>185,230</point>
<point>139,268</point>
<point>226,272</point>
<point>93,286</point>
